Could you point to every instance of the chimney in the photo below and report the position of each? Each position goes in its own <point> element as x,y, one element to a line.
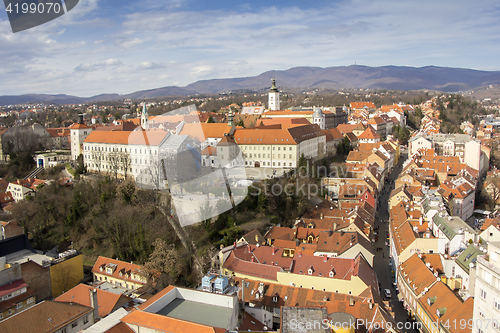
<point>273,250</point>
<point>94,304</point>
<point>370,304</point>
<point>325,258</point>
<point>235,244</point>
<point>320,216</point>
<point>253,260</point>
<point>351,301</point>
<point>80,118</point>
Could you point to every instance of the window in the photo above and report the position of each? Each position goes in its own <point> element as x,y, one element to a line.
<point>85,320</point>
<point>30,300</point>
<point>19,305</point>
<point>63,330</point>
<point>497,305</point>
<point>74,324</point>
<point>483,294</point>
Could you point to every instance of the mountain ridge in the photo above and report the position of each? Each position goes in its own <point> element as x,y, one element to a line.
<point>446,79</point>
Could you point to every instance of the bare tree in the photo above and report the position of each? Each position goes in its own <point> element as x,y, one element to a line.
<point>97,157</point>
<point>125,162</point>
<point>114,162</point>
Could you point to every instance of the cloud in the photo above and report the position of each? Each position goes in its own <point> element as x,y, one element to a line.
<point>131,43</point>
<point>151,65</point>
<point>91,67</point>
<point>241,41</point>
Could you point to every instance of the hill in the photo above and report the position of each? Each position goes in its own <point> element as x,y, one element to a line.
<point>387,77</point>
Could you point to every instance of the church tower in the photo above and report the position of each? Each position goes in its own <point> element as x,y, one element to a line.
<point>274,97</point>
<point>144,117</point>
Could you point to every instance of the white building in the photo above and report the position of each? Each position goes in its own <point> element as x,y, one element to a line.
<point>124,153</point>
<point>79,132</point>
<point>487,291</point>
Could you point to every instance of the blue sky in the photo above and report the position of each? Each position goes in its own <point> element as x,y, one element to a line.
<point>112,46</point>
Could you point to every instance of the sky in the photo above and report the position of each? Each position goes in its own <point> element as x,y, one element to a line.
<point>122,46</point>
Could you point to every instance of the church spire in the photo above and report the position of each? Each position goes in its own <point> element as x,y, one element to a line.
<point>144,116</point>
<point>273,87</point>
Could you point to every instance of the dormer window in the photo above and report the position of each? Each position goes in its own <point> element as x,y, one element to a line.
<point>275,299</point>
<point>311,270</point>
<point>332,273</point>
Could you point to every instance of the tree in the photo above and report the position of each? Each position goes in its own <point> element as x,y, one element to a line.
<point>114,162</point>
<point>80,166</point>
<point>125,162</point>
<point>97,156</point>
<point>165,261</point>
<point>241,123</point>
<point>210,120</point>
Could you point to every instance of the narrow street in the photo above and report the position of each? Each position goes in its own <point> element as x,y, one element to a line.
<point>381,262</point>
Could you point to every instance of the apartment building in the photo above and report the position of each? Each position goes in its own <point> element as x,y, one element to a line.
<point>487,291</point>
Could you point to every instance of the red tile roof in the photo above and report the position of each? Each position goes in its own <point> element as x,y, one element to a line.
<point>162,323</point>
<point>152,138</point>
<point>125,268</point>
<point>107,301</point>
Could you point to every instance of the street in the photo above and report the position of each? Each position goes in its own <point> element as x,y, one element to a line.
<point>381,262</point>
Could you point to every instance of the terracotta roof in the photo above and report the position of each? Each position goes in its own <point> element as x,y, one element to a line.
<point>441,298</point>
<point>417,274</point>
<point>152,138</point>
<point>255,269</point>
<point>280,233</point>
<point>107,301</point>
<point>345,128</point>
<point>289,136</point>
<point>47,316</point>
<point>335,133</point>
<point>369,134</point>
<point>210,150</point>
<point>78,126</point>
<point>275,296</point>
<point>121,327</point>
<point>162,323</point>
<point>125,268</point>
<point>202,131</point>
<point>360,105</point>
<point>11,287</point>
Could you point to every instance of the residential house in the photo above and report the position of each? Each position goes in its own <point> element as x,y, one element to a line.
<point>126,275</point>
<point>21,188</point>
<point>15,296</point>
<point>107,302</point>
<point>49,316</point>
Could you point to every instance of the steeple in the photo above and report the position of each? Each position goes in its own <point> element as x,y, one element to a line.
<point>144,116</point>
<point>230,117</point>
<point>274,97</point>
<point>273,87</point>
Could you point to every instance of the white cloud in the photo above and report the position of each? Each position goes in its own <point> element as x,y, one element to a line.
<point>182,46</point>
<point>131,43</point>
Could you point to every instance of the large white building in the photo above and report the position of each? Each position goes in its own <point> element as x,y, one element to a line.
<point>278,147</point>
<point>487,291</point>
<point>124,153</point>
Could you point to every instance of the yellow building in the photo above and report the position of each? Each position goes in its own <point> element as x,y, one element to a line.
<point>123,274</point>
<point>269,264</point>
<point>65,273</point>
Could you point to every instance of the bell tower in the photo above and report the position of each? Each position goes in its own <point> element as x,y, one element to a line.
<point>274,97</point>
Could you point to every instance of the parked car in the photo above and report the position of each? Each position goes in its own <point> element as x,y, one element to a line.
<point>387,293</point>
